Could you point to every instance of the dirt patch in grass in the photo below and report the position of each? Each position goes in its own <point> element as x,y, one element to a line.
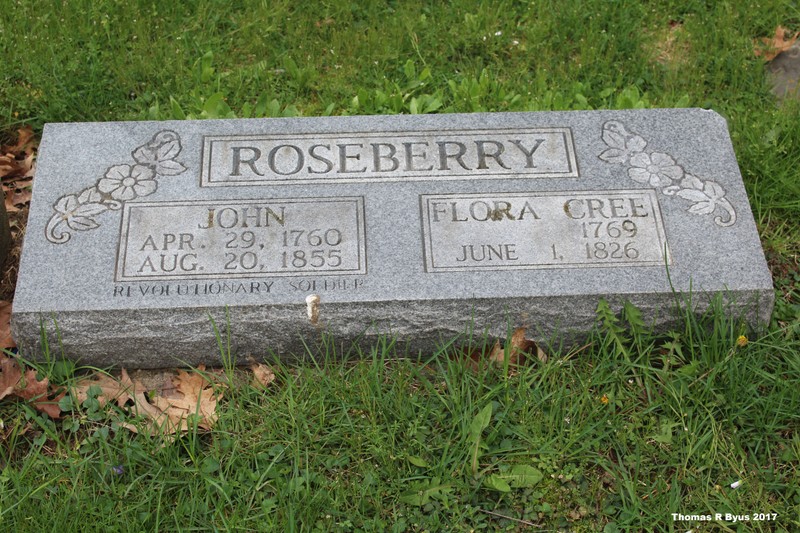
<point>669,45</point>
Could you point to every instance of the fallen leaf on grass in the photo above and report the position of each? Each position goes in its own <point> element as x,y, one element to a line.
<point>519,347</point>
<point>17,167</point>
<point>25,141</point>
<point>518,476</point>
<point>17,194</point>
<point>13,382</point>
<point>111,389</point>
<point>6,341</point>
<point>37,394</point>
<point>16,160</point>
<point>10,374</point>
<point>768,48</point>
<point>195,396</point>
<point>262,375</point>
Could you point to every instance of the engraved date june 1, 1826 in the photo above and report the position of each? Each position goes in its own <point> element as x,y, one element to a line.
<point>542,230</point>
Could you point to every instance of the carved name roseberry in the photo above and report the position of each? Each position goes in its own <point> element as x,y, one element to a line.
<point>153,160</point>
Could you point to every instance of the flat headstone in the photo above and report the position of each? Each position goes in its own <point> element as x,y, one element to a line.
<point>144,237</point>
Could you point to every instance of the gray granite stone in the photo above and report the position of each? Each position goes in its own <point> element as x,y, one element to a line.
<point>144,235</point>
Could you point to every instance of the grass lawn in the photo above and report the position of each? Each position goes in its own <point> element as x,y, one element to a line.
<point>631,432</point>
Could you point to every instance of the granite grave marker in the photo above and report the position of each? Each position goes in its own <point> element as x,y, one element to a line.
<point>422,227</point>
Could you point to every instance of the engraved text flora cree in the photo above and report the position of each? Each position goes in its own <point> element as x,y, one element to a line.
<point>501,231</point>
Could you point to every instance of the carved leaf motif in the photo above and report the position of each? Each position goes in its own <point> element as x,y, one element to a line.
<point>636,144</point>
<point>90,195</point>
<point>82,223</point>
<point>703,208</point>
<point>144,155</point>
<point>120,183</point>
<point>714,190</point>
<point>613,138</point>
<point>613,155</point>
<point>89,210</point>
<point>660,170</point>
<point>168,150</point>
<point>66,204</point>
<point>693,195</point>
<point>169,168</point>
<point>691,182</point>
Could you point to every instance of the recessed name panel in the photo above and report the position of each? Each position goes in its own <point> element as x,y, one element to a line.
<point>498,231</point>
<point>243,238</point>
<point>395,156</point>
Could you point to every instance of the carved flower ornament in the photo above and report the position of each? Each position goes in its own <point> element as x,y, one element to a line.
<point>124,182</point>
<point>659,170</point>
<point>120,183</point>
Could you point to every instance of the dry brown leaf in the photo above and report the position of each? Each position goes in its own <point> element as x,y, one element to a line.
<point>165,412</point>
<point>519,345</point>
<point>6,341</point>
<point>262,375</point>
<point>9,166</point>
<point>36,393</point>
<point>112,389</point>
<point>25,140</point>
<point>17,193</point>
<point>17,168</point>
<point>14,168</point>
<point>196,396</point>
<point>541,354</point>
<point>155,418</point>
<point>10,374</point>
<point>498,353</point>
<point>168,389</point>
<point>519,348</point>
<point>771,47</point>
<point>199,396</point>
